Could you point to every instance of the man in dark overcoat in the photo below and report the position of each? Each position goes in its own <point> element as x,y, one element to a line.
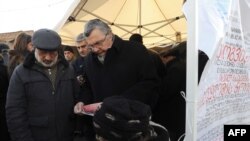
<point>117,67</point>
<point>83,124</point>
<point>40,97</point>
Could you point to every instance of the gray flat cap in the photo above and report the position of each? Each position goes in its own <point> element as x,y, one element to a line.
<point>46,39</point>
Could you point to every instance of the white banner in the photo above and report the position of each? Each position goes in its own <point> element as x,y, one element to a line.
<point>212,18</point>
<point>224,90</point>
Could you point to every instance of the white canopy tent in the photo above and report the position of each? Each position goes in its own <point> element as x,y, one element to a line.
<point>159,21</point>
<point>22,15</point>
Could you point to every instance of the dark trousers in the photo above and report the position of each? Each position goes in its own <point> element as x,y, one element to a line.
<point>84,128</point>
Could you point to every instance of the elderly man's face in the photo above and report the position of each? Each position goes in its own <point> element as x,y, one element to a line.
<point>82,48</point>
<point>99,42</point>
<point>46,58</point>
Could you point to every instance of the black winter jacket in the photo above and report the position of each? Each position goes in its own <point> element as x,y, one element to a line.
<point>35,110</point>
<point>127,71</point>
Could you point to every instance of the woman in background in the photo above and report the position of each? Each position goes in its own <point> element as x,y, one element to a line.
<point>22,46</point>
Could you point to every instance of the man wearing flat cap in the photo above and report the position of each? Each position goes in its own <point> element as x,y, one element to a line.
<point>40,97</point>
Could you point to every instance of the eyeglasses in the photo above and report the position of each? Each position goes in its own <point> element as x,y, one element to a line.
<point>97,43</point>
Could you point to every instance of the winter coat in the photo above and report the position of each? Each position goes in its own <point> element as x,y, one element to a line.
<point>127,71</point>
<point>83,123</point>
<point>78,66</point>
<point>15,59</point>
<point>170,109</point>
<point>3,91</point>
<point>35,110</point>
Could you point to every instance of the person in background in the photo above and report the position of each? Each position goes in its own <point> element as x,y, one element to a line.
<point>4,82</point>
<point>81,45</point>
<point>83,127</point>
<point>4,50</point>
<point>41,93</point>
<point>136,37</point>
<point>78,64</point>
<point>23,43</point>
<point>121,119</point>
<point>171,107</point>
<point>69,54</point>
<point>158,63</point>
<point>160,67</point>
<point>22,47</point>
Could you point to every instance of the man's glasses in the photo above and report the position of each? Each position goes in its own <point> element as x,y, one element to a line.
<point>98,43</point>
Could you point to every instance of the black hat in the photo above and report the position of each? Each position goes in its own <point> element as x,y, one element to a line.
<point>68,48</point>
<point>122,119</point>
<point>46,39</point>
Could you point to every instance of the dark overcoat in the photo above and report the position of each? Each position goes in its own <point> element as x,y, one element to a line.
<point>127,71</point>
<point>35,110</point>
<point>4,82</point>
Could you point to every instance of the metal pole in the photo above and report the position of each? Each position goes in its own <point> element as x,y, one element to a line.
<point>192,72</point>
<point>140,16</point>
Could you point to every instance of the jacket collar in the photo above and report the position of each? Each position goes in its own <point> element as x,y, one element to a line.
<point>117,43</point>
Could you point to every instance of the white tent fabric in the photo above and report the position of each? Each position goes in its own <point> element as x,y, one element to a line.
<point>18,15</point>
<point>157,20</point>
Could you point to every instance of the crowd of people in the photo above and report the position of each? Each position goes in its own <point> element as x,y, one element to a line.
<point>45,86</point>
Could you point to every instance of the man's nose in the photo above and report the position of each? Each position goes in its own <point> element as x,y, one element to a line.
<point>81,49</point>
<point>94,49</point>
<point>48,56</point>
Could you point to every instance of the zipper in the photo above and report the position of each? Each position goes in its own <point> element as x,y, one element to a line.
<point>53,85</point>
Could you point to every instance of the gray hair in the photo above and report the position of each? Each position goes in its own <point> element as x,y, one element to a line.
<point>80,37</point>
<point>96,23</point>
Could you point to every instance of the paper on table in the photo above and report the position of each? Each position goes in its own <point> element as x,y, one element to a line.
<point>90,108</point>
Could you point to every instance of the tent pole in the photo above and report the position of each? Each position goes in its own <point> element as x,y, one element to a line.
<point>106,21</point>
<point>192,71</point>
<point>66,15</point>
<point>163,21</point>
<point>159,27</point>
<point>150,31</point>
<point>140,16</point>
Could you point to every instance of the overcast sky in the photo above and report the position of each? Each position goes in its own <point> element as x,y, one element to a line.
<point>19,15</point>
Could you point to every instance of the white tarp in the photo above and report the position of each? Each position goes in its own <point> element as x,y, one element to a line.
<point>225,86</point>
<point>157,20</point>
<point>212,19</point>
<point>17,15</point>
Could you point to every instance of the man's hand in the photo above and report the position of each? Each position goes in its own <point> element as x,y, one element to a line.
<point>78,108</point>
